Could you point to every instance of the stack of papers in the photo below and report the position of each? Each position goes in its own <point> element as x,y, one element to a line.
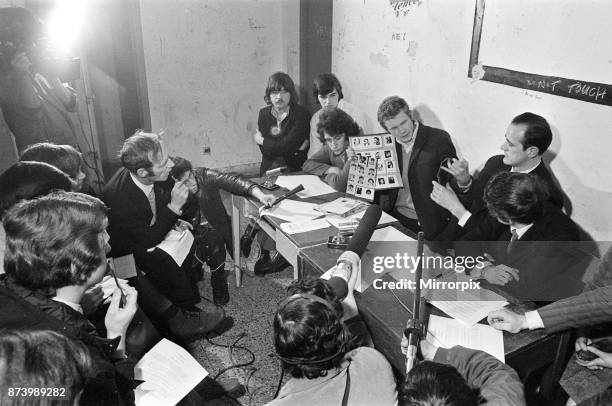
<point>336,220</point>
<point>313,186</point>
<point>343,207</point>
<point>293,211</point>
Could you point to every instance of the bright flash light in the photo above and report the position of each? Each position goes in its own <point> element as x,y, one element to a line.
<point>64,24</point>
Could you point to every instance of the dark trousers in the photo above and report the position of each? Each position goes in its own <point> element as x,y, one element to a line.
<point>150,300</point>
<point>411,224</point>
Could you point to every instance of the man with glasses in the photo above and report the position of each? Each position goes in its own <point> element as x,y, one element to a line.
<point>420,151</point>
<point>333,161</point>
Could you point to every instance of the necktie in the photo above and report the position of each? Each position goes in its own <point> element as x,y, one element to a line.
<point>151,198</point>
<point>512,241</point>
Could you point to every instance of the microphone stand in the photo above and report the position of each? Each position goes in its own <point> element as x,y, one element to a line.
<point>414,326</point>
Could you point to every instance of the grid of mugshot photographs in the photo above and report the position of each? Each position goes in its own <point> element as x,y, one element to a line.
<point>375,166</point>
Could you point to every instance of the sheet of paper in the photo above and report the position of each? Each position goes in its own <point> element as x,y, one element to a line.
<point>169,373</point>
<point>304,226</point>
<point>177,244</point>
<point>313,186</point>
<point>294,211</point>
<point>335,220</point>
<point>390,234</point>
<point>445,332</point>
<point>468,312</point>
<point>125,266</point>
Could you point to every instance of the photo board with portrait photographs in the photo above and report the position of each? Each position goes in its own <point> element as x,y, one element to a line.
<point>374,167</point>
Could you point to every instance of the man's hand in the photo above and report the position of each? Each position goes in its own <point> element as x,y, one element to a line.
<point>604,360</point>
<point>118,318</point>
<point>92,298</point>
<point>182,225</point>
<point>259,139</point>
<point>460,169</point>
<point>265,198</point>
<point>427,349</point>
<point>332,170</point>
<point>178,196</point>
<point>504,319</point>
<point>445,196</point>
<point>582,343</point>
<point>500,274</point>
<point>350,153</point>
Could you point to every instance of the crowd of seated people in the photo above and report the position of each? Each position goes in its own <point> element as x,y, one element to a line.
<point>54,244</point>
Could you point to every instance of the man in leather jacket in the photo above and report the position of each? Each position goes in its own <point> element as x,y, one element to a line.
<point>205,211</point>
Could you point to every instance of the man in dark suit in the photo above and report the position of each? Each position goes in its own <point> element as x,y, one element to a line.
<point>527,138</point>
<point>532,254</point>
<point>420,151</point>
<point>141,215</point>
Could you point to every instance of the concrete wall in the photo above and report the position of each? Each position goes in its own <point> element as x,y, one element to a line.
<point>420,50</point>
<point>207,63</point>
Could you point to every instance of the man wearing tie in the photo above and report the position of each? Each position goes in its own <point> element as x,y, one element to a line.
<point>141,215</point>
<point>531,255</point>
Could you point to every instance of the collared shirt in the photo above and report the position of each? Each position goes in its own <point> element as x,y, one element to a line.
<point>520,231</point>
<point>74,306</point>
<point>405,203</point>
<point>526,170</point>
<point>146,189</point>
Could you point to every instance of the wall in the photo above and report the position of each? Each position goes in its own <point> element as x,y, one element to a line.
<point>207,63</point>
<point>419,49</point>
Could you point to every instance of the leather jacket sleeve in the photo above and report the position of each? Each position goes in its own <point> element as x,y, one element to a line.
<point>229,182</point>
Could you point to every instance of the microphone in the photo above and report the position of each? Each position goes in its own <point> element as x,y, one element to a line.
<point>414,326</point>
<point>290,193</point>
<point>357,246</point>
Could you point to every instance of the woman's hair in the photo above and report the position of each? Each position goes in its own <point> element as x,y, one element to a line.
<point>181,165</point>
<point>27,180</point>
<point>324,84</point>
<point>42,359</point>
<point>54,241</point>
<point>64,157</point>
<point>335,122</point>
<point>281,81</point>
<point>309,336</point>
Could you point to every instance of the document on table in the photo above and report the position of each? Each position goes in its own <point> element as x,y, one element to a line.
<point>468,312</point>
<point>169,373</point>
<point>313,186</point>
<point>446,332</point>
<point>177,244</point>
<point>293,211</point>
<point>304,226</point>
<point>335,220</point>
<point>390,234</point>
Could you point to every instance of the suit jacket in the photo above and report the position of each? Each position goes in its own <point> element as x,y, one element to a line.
<point>587,309</point>
<point>431,147</point>
<point>545,256</point>
<point>130,216</point>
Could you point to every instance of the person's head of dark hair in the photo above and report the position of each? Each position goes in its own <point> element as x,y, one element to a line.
<point>42,359</point>
<point>317,287</point>
<point>140,150</point>
<point>335,122</point>
<point>326,83</point>
<point>391,107</point>
<point>19,31</point>
<point>514,197</point>
<point>27,180</point>
<point>55,240</point>
<point>280,81</point>
<point>434,384</point>
<point>64,157</point>
<point>537,131</point>
<point>309,336</point>
<point>181,166</point>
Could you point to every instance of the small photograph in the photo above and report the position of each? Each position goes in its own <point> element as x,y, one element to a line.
<point>354,166</point>
<point>371,172</point>
<point>380,167</point>
<point>370,182</point>
<point>363,159</point>
<point>351,177</point>
<point>377,155</point>
<point>350,188</point>
<point>391,180</point>
<point>377,141</point>
<point>390,165</point>
<point>369,193</point>
<point>359,191</point>
<point>360,180</point>
<point>356,142</point>
<point>361,170</point>
<point>382,182</point>
<point>367,154</point>
<point>372,161</point>
<point>388,153</point>
<point>366,143</point>
<point>388,140</point>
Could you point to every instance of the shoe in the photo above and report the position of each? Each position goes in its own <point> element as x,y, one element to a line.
<point>218,281</point>
<point>186,325</point>
<point>270,263</point>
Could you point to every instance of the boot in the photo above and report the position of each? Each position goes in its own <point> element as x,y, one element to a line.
<point>268,264</point>
<point>185,325</point>
<point>218,281</point>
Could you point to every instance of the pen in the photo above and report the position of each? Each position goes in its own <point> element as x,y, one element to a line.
<point>112,272</point>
